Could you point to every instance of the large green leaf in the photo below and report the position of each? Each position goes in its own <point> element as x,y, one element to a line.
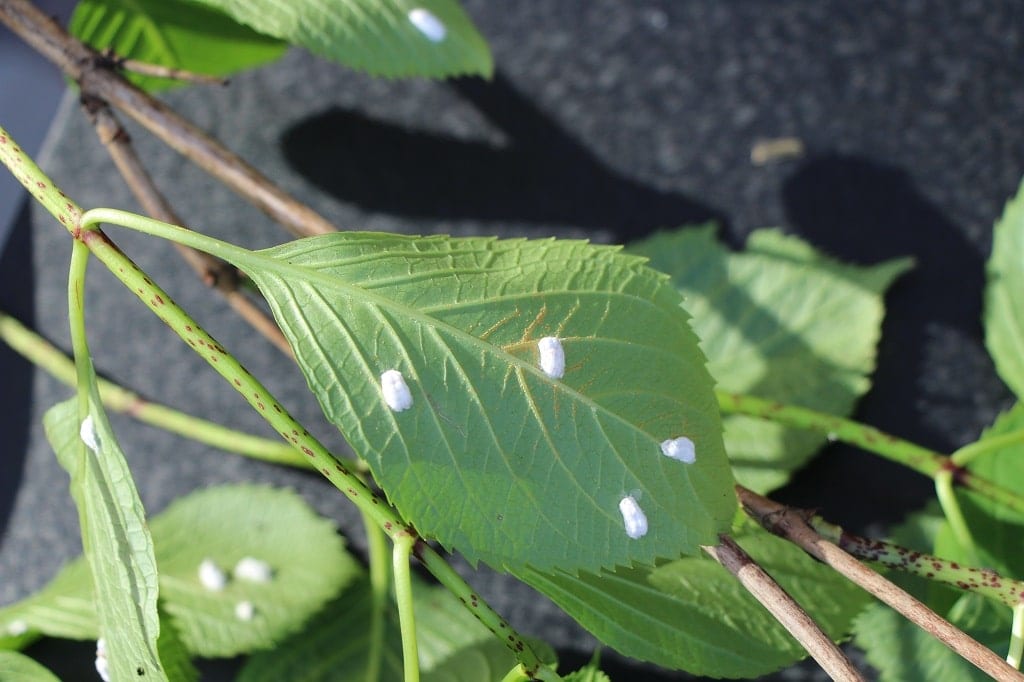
<point>691,614</point>
<point>495,457</point>
<point>179,34</point>
<point>115,539</point>
<point>222,525</point>
<point>1004,304</point>
<point>400,38</point>
<point>778,321</point>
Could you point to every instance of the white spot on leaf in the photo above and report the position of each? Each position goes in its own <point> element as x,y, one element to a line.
<point>253,570</point>
<point>88,434</point>
<point>102,666</point>
<point>552,357</point>
<point>244,610</point>
<point>428,24</point>
<point>211,576</point>
<point>395,390</point>
<point>17,627</point>
<point>633,517</point>
<point>680,448</point>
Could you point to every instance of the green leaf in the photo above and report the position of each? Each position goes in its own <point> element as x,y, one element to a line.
<point>115,538</point>
<point>226,524</point>
<point>380,37</point>
<point>15,667</point>
<point>1004,465</point>
<point>1004,305</point>
<point>777,321</point>
<point>495,457</point>
<point>174,33</point>
<point>64,608</point>
<point>900,650</point>
<point>222,524</point>
<point>174,655</point>
<point>691,614</point>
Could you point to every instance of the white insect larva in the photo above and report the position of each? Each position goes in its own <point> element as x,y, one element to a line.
<point>211,577</point>
<point>633,517</point>
<point>679,448</point>
<point>428,24</point>
<point>102,666</point>
<point>253,570</point>
<point>16,628</point>
<point>244,610</point>
<point>87,432</point>
<point>395,390</point>
<point>552,357</point>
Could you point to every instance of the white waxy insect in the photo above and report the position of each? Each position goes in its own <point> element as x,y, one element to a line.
<point>395,390</point>
<point>679,448</point>
<point>552,357</point>
<point>244,610</point>
<point>87,432</point>
<point>16,628</point>
<point>211,576</point>
<point>427,23</point>
<point>252,569</point>
<point>633,517</point>
<point>102,666</point>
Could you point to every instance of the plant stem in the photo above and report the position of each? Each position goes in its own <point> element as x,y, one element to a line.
<point>972,451</point>
<point>1013,656</point>
<point>403,598</point>
<point>85,65</point>
<point>983,581</point>
<point>380,576</point>
<point>792,525</point>
<point>911,455</point>
<point>157,300</point>
<point>784,608</point>
<point>954,514</point>
<point>119,399</point>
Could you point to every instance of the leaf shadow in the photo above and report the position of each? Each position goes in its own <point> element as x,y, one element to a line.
<point>541,175</point>
<point>868,212</point>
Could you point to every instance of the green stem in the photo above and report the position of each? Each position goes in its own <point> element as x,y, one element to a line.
<point>119,399</point>
<point>157,300</point>
<point>954,514</point>
<point>76,320</point>
<point>403,598</point>
<point>972,451</point>
<point>982,581</point>
<point>911,455</point>
<point>380,576</point>
<point>1016,650</point>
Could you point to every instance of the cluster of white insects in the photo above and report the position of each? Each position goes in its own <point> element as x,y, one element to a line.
<point>551,356</point>
<point>214,578</point>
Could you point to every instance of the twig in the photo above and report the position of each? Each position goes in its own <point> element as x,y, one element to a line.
<point>160,71</point>
<point>85,65</point>
<point>792,525</point>
<point>214,272</point>
<point>784,608</point>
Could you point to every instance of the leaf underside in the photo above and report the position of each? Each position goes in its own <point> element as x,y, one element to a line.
<point>177,34</point>
<point>495,458</point>
<point>375,36</point>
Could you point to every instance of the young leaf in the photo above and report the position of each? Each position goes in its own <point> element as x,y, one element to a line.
<point>173,33</point>
<point>778,321</point>
<point>115,538</point>
<point>1004,306</point>
<point>395,38</point>
<point>15,666</point>
<point>495,456</point>
<point>691,614</point>
<point>224,525</point>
